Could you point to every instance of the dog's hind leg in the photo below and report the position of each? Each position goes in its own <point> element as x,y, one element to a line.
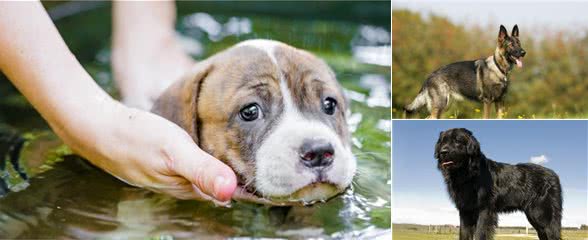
<point>553,229</point>
<point>540,229</point>
<point>553,232</point>
<point>546,230</point>
<point>467,225</point>
<point>487,221</point>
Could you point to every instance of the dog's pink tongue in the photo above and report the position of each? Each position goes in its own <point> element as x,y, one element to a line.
<point>446,163</point>
<point>519,63</point>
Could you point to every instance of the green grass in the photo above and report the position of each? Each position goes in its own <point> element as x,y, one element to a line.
<point>405,234</point>
<point>476,113</point>
<point>414,235</point>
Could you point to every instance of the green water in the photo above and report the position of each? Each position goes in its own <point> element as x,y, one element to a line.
<point>63,196</point>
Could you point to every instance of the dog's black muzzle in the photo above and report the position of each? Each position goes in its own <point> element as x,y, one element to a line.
<point>518,53</point>
<point>443,153</point>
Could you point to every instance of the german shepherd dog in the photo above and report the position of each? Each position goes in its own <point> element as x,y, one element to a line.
<point>482,80</point>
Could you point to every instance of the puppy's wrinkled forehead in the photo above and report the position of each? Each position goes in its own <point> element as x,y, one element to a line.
<point>286,57</point>
<point>270,70</point>
<point>289,65</point>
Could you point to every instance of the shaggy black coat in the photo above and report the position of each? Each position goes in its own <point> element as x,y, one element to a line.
<point>482,188</point>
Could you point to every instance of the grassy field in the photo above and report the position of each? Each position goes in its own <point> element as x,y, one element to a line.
<point>403,233</point>
<point>475,112</point>
<point>414,235</point>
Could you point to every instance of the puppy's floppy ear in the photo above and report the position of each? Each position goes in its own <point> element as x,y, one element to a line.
<point>502,34</point>
<point>179,102</point>
<point>515,31</point>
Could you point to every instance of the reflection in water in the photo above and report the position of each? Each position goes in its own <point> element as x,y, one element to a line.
<point>372,45</point>
<point>75,199</point>
<point>373,54</point>
<point>379,90</point>
<point>68,198</point>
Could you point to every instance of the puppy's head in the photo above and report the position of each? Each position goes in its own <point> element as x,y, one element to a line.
<point>456,148</point>
<point>510,46</point>
<point>274,113</point>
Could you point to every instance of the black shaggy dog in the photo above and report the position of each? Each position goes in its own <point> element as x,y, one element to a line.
<point>482,188</point>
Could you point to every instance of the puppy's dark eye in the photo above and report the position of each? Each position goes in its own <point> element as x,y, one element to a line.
<point>329,105</point>
<point>250,112</point>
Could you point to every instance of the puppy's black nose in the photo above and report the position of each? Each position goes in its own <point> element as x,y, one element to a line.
<point>316,153</point>
<point>523,52</point>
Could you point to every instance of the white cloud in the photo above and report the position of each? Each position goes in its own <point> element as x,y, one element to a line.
<point>539,159</point>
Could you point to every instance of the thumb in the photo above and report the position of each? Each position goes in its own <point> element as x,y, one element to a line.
<point>210,175</point>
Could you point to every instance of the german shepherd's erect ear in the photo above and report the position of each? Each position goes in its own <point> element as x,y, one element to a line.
<point>515,31</point>
<point>503,34</point>
<point>179,102</point>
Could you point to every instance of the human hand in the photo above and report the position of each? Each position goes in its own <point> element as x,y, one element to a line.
<point>148,151</point>
<point>138,147</point>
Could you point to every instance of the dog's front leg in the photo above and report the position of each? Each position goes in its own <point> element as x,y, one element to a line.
<point>487,221</point>
<point>435,114</point>
<point>499,109</point>
<point>467,224</point>
<point>486,114</point>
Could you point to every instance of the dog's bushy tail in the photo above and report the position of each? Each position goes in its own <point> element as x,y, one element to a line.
<point>419,101</point>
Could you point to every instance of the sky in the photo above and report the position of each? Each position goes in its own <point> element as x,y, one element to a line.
<point>531,16</point>
<point>419,193</point>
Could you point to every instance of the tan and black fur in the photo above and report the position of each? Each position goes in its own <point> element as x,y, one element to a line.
<point>482,80</point>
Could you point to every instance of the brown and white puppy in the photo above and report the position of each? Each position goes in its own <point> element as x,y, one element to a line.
<point>274,113</point>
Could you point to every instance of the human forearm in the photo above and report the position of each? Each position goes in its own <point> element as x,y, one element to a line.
<point>148,21</point>
<point>35,58</point>
<point>146,55</point>
<point>136,146</point>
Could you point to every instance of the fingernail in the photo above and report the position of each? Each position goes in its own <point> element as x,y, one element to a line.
<point>220,184</point>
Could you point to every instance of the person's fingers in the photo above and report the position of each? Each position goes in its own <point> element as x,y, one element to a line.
<point>205,172</point>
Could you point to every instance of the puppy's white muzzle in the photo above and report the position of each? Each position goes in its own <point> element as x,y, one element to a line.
<point>283,173</point>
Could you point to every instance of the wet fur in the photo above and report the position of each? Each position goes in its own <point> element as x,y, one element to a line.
<point>482,188</point>
<point>482,80</point>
